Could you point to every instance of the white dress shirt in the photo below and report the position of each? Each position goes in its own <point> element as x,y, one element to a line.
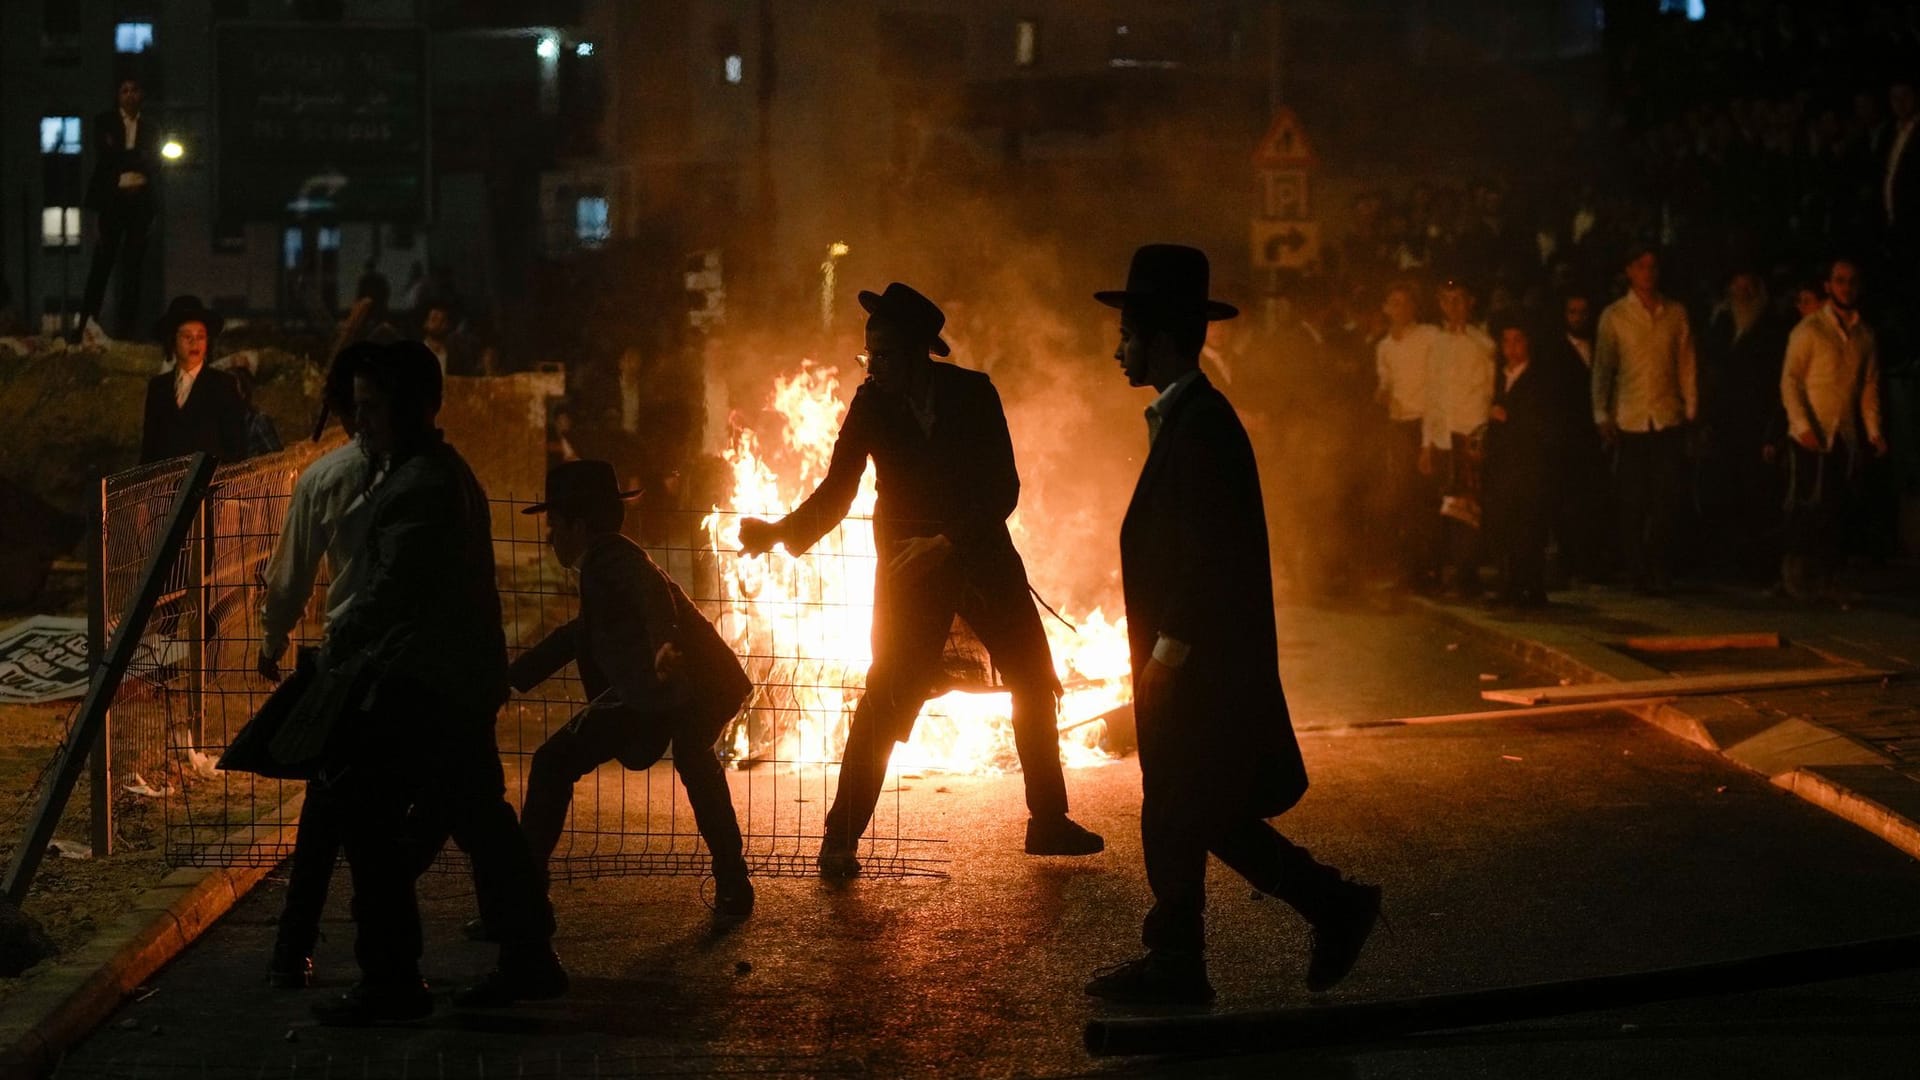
<point>1644,372</point>
<point>1400,363</point>
<point>183,384</point>
<point>131,125</point>
<point>1582,347</point>
<point>1459,385</point>
<point>328,515</point>
<point>1830,383</point>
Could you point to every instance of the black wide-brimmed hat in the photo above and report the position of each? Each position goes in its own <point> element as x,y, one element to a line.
<point>186,309</point>
<point>1168,279</point>
<point>903,307</point>
<point>577,485</point>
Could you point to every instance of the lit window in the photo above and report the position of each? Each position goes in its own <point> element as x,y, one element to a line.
<point>592,220</point>
<point>59,134</point>
<point>585,48</point>
<point>329,238</point>
<point>1026,42</point>
<point>132,37</point>
<point>60,226</point>
<point>293,246</point>
<point>735,69</point>
<point>1694,10</point>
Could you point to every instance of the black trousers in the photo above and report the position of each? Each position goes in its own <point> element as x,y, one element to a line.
<point>1416,505</point>
<point>124,225</point>
<point>1177,840</point>
<point>638,739</point>
<point>1651,469</point>
<point>316,851</point>
<point>1820,490</point>
<point>440,765</point>
<point>907,645</point>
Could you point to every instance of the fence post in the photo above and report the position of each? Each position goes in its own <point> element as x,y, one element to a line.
<point>100,776</point>
<point>197,633</point>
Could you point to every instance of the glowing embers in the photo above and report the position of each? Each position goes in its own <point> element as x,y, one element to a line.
<point>802,624</point>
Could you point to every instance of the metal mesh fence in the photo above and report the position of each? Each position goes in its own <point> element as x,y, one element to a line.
<point>194,686</point>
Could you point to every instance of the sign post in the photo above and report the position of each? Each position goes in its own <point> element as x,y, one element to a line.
<point>1285,235</point>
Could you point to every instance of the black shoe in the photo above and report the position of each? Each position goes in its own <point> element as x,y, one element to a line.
<point>1061,836</point>
<point>289,969</point>
<point>837,861</point>
<point>1339,937</point>
<point>541,980</point>
<point>1158,978</point>
<point>476,930</point>
<point>365,1006</point>
<point>732,903</point>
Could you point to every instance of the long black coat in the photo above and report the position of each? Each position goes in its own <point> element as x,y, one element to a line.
<point>213,420</point>
<point>1194,566</point>
<point>629,607</point>
<point>112,156</point>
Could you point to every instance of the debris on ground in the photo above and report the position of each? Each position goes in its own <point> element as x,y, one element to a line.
<point>139,786</point>
<point>70,849</point>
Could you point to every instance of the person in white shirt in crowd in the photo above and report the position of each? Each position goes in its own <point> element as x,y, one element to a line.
<point>1401,358</point>
<point>1453,431</point>
<point>326,518</point>
<point>1645,392</point>
<point>1830,387</point>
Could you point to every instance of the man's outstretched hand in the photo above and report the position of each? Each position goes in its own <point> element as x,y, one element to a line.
<point>757,537</point>
<point>268,667</point>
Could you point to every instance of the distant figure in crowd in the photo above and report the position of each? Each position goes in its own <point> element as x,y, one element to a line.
<point>193,407</point>
<point>1581,502</point>
<point>425,630</point>
<point>327,517</point>
<point>1738,489</point>
<point>437,326</point>
<point>939,443</point>
<point>1401,362</point>
<point>1454,428</point>
<point>1217,750</point>
<point>1830,388</point>
<point>1527,431</point>
<point>411,293</point>
<point>373,288</point>
<point>120,191</point>
<point>1644,394</point>
<point>262,436</point>
<point>656,673</point>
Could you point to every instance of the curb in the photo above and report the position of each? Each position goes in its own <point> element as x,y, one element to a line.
<point>1826,768</point>
<point>65,1001</point>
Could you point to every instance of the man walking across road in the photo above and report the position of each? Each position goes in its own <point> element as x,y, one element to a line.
<point>1217,749</point>
<point>1645,392</point>
<point>1830,386</point>
<point>656,673</point>
<point>944,460</point>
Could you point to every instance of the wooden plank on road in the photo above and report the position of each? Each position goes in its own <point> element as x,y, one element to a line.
<point>1767,639</point>
<point>1723,683</point>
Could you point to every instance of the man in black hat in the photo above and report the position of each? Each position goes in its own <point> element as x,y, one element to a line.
<point>657,675</point>
<point>193,407</point>
<point>1217,751</point>
<point>427,625</point>
<point>939,443</point>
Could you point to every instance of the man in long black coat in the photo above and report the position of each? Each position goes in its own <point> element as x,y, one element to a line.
<point>1217,750</point>
<point>121,192</point>
<point>191,407</point>
<point>946,483</point>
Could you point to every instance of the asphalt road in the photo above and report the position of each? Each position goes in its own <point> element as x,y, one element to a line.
<point>1511,851</point>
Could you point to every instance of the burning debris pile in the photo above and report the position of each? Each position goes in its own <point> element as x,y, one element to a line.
<point>802,624</point>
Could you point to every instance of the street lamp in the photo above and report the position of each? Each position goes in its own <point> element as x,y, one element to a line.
<point>548,48</point>
<point>585,48</point>
<point>172,150</point>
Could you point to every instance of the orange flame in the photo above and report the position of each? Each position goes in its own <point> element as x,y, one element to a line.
<point>803,622</point>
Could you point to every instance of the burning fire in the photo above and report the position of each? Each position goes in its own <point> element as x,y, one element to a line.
<point>803,623</point>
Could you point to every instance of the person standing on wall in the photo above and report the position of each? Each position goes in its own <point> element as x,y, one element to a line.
<point>121,193</point>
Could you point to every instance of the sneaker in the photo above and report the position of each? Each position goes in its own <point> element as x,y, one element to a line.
<point>1061,836</point>
<point>365,1006</point>
<point>1158,978</point>
<point>541,980</point>
<point>838,862</point>
<point>732,903</point>
<point>1338,938</point>
<point>289,969</point>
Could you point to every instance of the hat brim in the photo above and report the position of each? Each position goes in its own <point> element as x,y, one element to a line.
<point>1214,310</point>
<point>868,300</point>
<point>543,507</point>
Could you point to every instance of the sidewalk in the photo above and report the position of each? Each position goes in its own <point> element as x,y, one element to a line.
<point>1853,750</point>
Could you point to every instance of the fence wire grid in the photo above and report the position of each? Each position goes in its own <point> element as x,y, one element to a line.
<point>194,685</point>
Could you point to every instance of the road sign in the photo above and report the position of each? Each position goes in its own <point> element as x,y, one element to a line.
<point>1285,145</point>
<point>1285,245</point>
<point>1284,195</point>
